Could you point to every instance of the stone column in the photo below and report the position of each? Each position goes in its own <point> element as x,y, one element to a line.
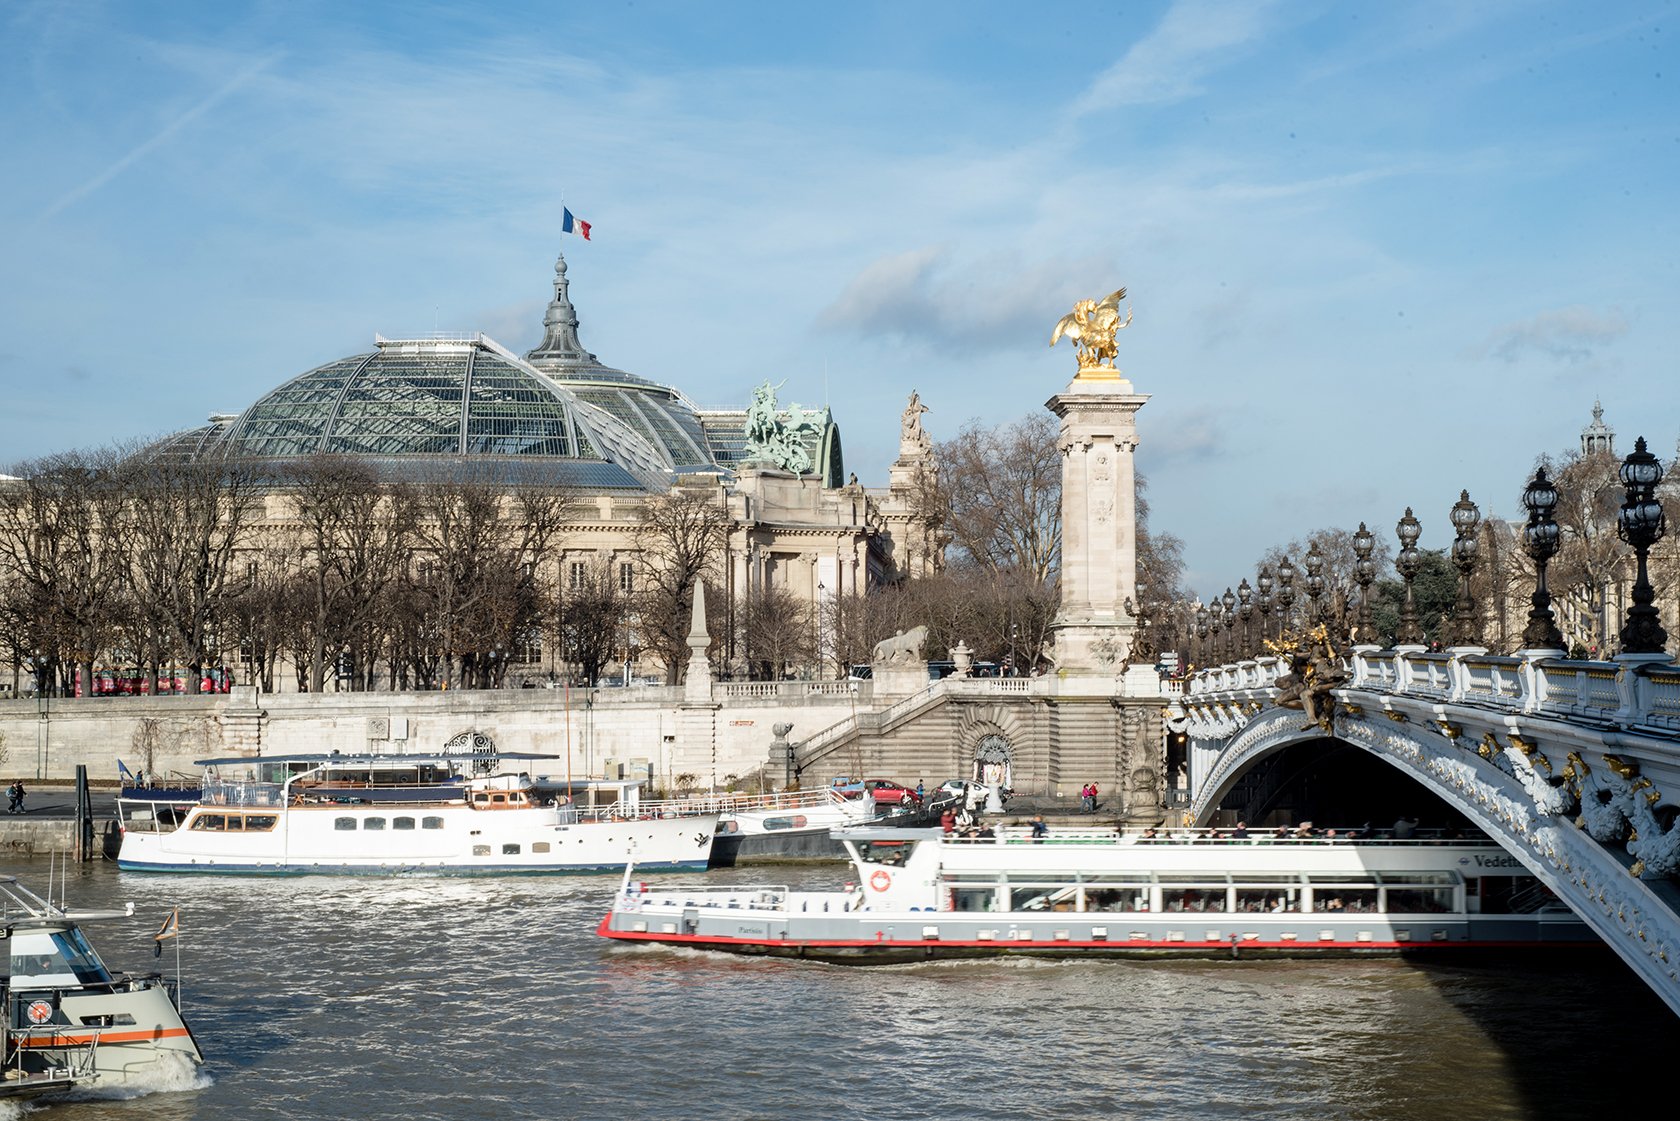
<point>1094,625</point>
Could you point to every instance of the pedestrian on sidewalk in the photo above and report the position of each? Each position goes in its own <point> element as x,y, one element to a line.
<point>14,797</point>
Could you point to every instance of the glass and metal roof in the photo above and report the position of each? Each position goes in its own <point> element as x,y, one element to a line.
<point>432,407</point>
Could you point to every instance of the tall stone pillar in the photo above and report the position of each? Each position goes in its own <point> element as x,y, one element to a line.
<point>1094,626</point>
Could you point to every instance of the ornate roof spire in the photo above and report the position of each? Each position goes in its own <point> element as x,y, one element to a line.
<point>560,345</point>
<point>1598,437</point>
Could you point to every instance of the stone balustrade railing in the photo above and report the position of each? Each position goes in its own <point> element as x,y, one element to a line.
<point>1630,694</point>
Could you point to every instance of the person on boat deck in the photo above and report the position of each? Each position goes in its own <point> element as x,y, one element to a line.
<point>948,821</point>
<point>1039,829</point>
<point>1150,834</point>
<point>1240,833</point>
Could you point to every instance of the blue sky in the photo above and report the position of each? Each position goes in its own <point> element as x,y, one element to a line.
<point>1377,252</point>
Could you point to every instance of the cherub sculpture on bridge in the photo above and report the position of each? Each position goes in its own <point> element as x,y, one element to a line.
<point>1314,670</point>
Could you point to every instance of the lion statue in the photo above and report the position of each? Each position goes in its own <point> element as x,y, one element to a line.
<point>902,649</point>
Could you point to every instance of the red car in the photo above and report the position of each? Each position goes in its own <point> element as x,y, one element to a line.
<point>889,793</point>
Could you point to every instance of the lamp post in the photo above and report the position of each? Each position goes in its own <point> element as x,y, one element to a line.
<point>1263,600</point>
<point>1315,585</point>
<point>1408,530</point>
<point>1245,597</point>
<point>1230,601</point>
<point>1540,539</point>
<point>1286,595</point>
<point>1465,519</point>
<point>1201,629</point>
<point>817,675</point>
<point>1364,572</point>
<point>1640,523</point>
<point>1216,623</point>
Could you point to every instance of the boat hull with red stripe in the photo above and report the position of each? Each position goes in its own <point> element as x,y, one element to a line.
<point>920,895</point>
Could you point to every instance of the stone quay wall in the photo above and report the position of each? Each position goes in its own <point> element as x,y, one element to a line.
<point>647,731</point>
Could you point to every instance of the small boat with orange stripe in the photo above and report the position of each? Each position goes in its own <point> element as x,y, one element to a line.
<point>1076,891</point>
<point>70,1021</point>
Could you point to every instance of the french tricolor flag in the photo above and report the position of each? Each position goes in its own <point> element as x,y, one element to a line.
<point>571,225</point>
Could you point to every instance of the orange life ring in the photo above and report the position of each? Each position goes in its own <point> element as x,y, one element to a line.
<point>39,1012</point>
<point>880,880</point>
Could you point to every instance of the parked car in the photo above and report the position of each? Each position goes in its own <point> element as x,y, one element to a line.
<point>885,791</point>
<point>963,790</point>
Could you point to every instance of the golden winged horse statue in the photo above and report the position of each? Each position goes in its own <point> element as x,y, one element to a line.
<point>1092,325</point>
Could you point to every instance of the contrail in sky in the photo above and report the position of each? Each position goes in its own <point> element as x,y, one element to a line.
<point>162,135</point>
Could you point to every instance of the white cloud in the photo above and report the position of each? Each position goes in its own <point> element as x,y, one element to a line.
<point>1168,64</point>
<point>1574,335</point>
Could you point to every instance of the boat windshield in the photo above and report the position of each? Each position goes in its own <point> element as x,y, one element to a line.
<point>54,959</point>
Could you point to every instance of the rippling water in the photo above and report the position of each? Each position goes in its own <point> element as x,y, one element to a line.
<point>493,998</point>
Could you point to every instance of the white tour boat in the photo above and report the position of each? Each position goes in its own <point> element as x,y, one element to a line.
<point>383,814</point>
<point>921,894</point>
<point>70,1021</point>
<point>793,824</point>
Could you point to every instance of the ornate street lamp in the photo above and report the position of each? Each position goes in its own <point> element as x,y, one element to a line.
<point>1466,630</point>
<point>1641,524</point>
<point>1364,572</point>
<point>1264,602</point>
<point>1245,596</point>
<point>1315,585</point>
<point>1408,530</point>
<point>1286,595</point>
<point>1201,629</point>
<point>1216,623</point>
<point>1230,601</point>
<point>1540,538</point>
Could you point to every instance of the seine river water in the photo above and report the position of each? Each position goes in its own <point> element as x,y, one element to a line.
<point>493,998</point>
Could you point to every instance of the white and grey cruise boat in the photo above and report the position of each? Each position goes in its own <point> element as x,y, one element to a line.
<point>445,813</point>
<point>918,893</point>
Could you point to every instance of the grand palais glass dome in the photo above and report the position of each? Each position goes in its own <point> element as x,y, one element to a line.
<point>418,407</point>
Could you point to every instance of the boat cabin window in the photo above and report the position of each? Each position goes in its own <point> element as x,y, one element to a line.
<point>1342,893</point>
<point>884,852</point>
<point>234,823</point>
<point>1194,899</point>
<point>373,823</point>
<point>481,850</point>
<point>1044,896</point>
<point>974,898</point>
<point>344,823</point>
<point>539,846</point>
<point>402,823</point>
<point>1419,900</point>
<point>431,823</point>
<point>1256,899</point>
<point>63,957</point>
<point>510,850</point>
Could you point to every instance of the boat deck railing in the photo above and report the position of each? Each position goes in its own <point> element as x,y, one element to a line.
<point>744,897</point>
<point>1089,835</point>
<point>223,792</point>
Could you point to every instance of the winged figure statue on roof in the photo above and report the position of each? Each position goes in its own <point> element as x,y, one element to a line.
<point>1092,325</point>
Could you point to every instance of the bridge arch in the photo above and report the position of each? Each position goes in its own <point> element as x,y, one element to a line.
<point>1508,790</point>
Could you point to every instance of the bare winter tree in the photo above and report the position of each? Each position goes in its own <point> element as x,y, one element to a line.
<point>1007,510</point>
<point>476,586</point>
<point>60,551</point>
<point>355,534</point>
<point>185,524</point>
<point>778,630</point>
<point>593,614</point>
<point>680,537</point>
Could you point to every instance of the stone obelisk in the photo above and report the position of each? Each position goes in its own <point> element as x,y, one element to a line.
<point>1094,625</point>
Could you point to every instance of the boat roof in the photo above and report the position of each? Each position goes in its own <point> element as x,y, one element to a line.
<point>369,757</point>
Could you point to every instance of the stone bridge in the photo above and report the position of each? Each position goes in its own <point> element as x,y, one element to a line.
<point>1574,767</point>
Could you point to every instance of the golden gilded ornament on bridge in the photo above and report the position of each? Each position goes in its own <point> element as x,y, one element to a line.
<point>1093,325</point>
